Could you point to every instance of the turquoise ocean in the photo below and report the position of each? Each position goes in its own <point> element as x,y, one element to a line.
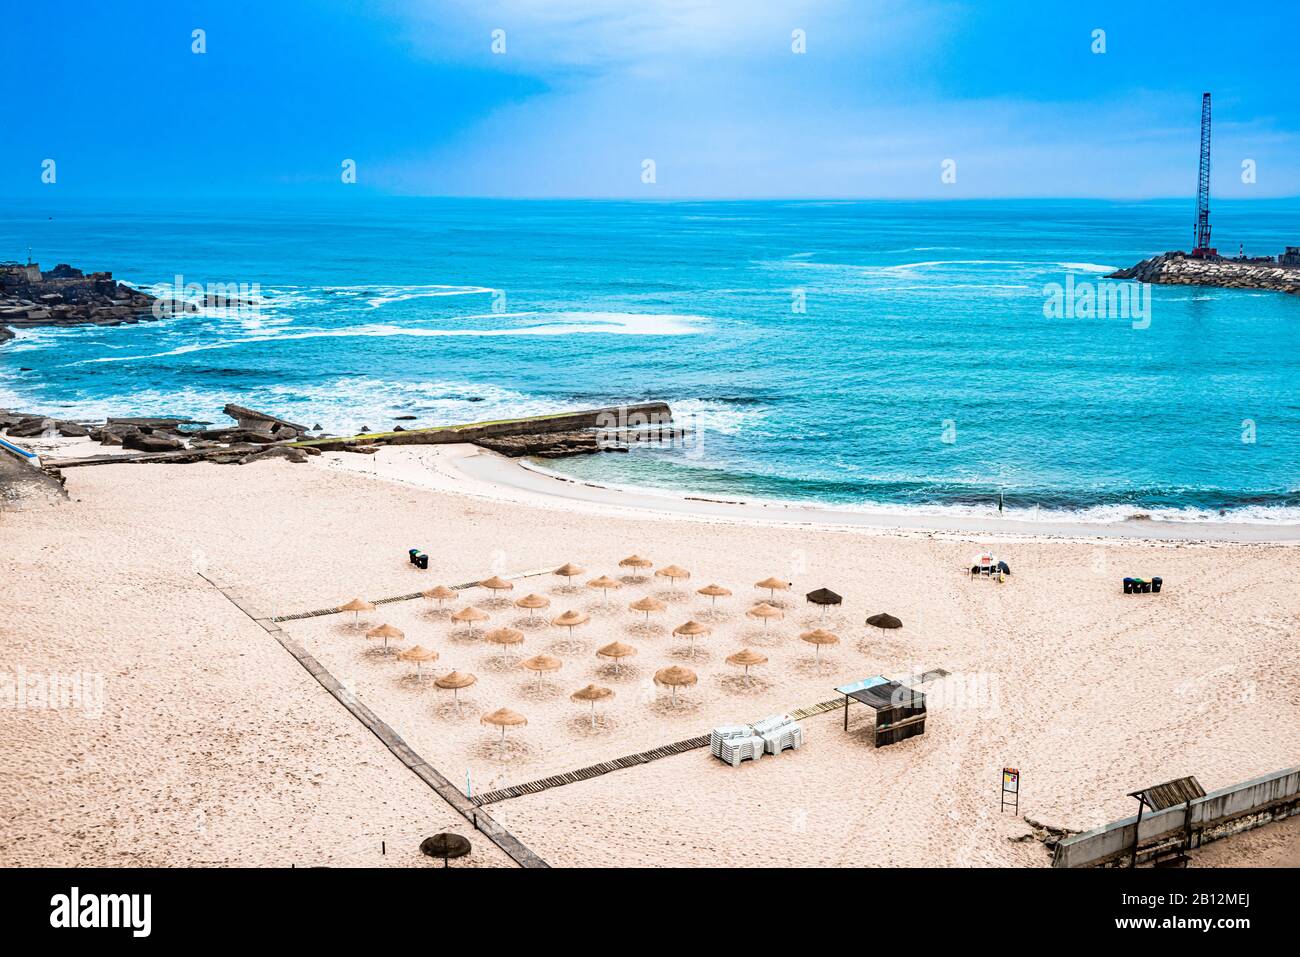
<point>863,354</point>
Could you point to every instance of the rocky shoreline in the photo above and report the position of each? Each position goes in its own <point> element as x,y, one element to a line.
<point>1180,269</point>
<point>65,296</point>
<point>258,436</point>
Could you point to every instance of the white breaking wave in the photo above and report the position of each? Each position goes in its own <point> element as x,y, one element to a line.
<point>557,324</point>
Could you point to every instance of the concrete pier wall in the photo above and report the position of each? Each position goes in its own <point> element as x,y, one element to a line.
<point>1226,811</point>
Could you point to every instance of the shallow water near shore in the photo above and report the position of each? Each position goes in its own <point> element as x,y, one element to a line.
<point>866,355</point>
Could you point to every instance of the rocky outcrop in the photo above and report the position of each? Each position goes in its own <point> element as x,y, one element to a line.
<point>1179,269</point>
<point>65,296</point>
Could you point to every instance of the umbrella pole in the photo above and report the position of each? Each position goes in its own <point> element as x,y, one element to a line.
<point>593,714</point>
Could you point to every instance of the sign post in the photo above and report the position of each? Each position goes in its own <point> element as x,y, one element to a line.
<point>1011,786</point>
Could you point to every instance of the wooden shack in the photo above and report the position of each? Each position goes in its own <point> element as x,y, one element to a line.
<point>899,710</point>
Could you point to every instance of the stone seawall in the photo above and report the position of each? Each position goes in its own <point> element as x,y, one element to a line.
<point>1179,269</point>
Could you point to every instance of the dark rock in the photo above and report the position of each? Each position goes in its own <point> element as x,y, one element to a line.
<point>276,452</point>
<point>156,442</point>
<point>72,430</point>
<point>398,418</point>
<point>31,428</point>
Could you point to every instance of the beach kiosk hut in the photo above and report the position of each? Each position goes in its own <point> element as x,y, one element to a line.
<point>899,711</point>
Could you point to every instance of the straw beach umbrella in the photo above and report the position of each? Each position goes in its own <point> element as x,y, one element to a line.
<point>386,632</point>
<point>773,585</point>
<point>533,603</point>
<point>714,592</point>
<point>505,637</point>
<point>745,658</point>
<point>570,620</point>
<point>469,615</point>
<point>357,606</point>
<point>592,693</point>
<point>818,637</point>
<point>673,573</point>
<point>439,593</point>
<point>647,604</point>
<point>692,630</point>
<point>541,664</point>
<point>883,621</point>
<point>504,718</point>
<point>616,651</point>
<point>453,681</point>
<point>766,612</point>
<point>496,584</point>
<point>674,678</point>
<point>824,597</point>
<point>604,583</point>
<point>637,563</point>
<point>568,571</point>
<point>419,654</point>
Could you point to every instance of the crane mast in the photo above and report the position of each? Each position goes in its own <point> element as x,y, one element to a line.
<point>1203,249</point>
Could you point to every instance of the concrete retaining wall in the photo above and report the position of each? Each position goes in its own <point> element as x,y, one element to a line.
<point>1218,814</point>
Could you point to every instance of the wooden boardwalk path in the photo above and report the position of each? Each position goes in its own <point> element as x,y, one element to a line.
<point>482,821</point>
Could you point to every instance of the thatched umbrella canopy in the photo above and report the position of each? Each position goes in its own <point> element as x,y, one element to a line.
<point>766,612</point>
<point>824,597</point>
<point>496,583</point>
<point>504,718</point>
<point>604,583</point>
<point>439,593</point>
<point>675,677</point>
<point>505,637</point>
<point>419,654</point>
<point>445,846</point>
<point>469,615</point>
<point>541,664</point>
<point>647,604</point>
<point>453,681</point>
<point>357,606</point>
<point>773,585</point>
<point>819,637</point>
<point>884,620</point>
<point>592,693</point>
<point>746,658</point>
<point>636,563</point>
<point>571,619</point>
<point>715,592</point>
<point>568,571</point>
<point>692,630</point>
<point>673,573</point>
<point>616,651</point>
<point>386,632</point>
<point>533,603</point>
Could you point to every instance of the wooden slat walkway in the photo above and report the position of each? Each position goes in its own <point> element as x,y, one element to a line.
<point>322,612</point>
<point>482,821</point>
<point>594,771</point>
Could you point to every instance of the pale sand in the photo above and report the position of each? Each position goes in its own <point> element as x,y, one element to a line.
<point>1091,693</point>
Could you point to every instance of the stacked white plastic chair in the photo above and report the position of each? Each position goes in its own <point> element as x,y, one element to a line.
<point>718,735</point>
<point>735,750</point>
<point>778,733</point>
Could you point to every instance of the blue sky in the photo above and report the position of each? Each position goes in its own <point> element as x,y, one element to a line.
<point>587,90</point>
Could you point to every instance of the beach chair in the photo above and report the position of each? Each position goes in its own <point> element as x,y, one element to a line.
<point>727,732</point>
<point>735,750</point>
<point>788,735</point>
<point>768,725</point>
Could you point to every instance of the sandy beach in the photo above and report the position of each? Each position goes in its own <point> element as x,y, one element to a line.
<point>212,745</point>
